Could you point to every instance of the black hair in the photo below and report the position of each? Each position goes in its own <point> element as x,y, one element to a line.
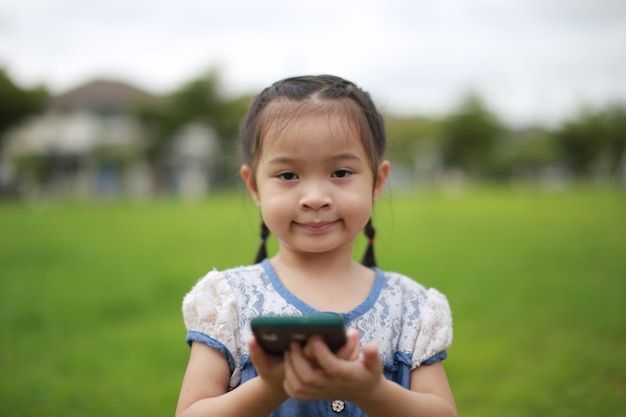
<point>262,252</point>
<point>316,93</point>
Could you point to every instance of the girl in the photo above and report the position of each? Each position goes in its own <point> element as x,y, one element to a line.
<point>313,150</point>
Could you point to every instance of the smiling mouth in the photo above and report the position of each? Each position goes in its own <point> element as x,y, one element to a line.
<point>317,227</point>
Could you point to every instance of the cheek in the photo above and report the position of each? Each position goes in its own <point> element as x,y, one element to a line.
<point>275,209</point>
<point>362,197</point>
<point>358,204</point>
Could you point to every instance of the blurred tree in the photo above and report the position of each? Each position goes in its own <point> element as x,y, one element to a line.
<point>594,143</point>
<point>524,154</point>
<point>468,136</point>
<point>406,135</point>
<point>199,100</point>
<point>413,149</point>
<point>613,119</point>
<point>16,104</point>
<point>579,142</point>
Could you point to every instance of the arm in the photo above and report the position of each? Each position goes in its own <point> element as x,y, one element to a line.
<point>205,386</point>
<point>205,392</point>
<point>363,383</point>
<point>429,395</point>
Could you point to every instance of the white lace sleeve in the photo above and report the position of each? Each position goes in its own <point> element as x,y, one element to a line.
<point>211,308</point>
<point>435,328</point>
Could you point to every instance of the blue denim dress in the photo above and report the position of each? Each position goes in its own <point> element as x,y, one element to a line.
<point>412,325</point>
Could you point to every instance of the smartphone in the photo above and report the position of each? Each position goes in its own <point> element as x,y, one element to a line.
<point>276,333</point>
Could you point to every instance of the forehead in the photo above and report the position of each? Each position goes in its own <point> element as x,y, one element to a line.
<point>291,122</point>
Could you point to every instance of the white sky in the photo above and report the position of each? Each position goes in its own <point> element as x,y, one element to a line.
<point>532,60</point>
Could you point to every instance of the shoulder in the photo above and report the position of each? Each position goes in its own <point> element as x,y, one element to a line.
<point>410,291</point>
<point>425,314</point>
<point>229,278</point>
<point>396,279</point>
<point>220,288</point>
<point>398,285</point>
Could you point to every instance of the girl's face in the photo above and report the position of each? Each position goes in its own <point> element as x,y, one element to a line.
<point>314,183</point>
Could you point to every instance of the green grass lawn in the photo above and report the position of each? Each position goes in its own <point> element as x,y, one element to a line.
<point>90,321</point>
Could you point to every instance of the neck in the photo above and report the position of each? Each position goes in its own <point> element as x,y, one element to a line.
<point>326,282</point>
<point>320,264</point>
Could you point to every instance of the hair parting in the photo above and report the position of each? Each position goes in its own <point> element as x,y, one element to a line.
<point>308,95</point>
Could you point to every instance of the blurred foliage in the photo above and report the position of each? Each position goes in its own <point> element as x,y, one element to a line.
<point>469,136</point>
<point>407,136</point>
<point>17,103</point>
<point>594,143</point>
<point>199,100</point>
<point>523,154</point>
<point>471,140</point>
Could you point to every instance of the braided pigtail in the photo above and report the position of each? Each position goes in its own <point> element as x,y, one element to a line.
<point>369,259</point>
<point>262,252</point>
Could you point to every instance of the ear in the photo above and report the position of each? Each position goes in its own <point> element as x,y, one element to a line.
<point>247,174</point>
<point>381,178</point>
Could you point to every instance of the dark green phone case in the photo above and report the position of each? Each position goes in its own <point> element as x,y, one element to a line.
<point>276,333</point>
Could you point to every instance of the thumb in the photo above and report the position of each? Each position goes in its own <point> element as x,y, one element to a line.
<point>254,349</point>
<point>257,355</point>
<point>371,358</point>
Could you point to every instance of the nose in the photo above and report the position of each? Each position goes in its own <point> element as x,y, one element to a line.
<point>315,196</point>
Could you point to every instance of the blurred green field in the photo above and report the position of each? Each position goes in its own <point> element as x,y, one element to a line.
<point>90,321</point>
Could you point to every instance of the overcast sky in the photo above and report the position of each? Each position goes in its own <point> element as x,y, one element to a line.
<point>534,61</point>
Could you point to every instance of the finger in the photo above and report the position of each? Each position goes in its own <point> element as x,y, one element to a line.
<point>291,378</point>
<point>294,362</point>
<point>371,358</point>
<point>256,352</point>
<point>263,361</point>
<point>350,351</point>
<point>304,362</point>
<point>300,376</point>
<point>308,347</point>
<point>288,364</point>
<point>350,333</point>
<point>326,359</point>
<point>259,358</point>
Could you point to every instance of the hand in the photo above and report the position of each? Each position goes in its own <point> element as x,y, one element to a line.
<point>320,374</point>
<point>350,351</point>
<point>270,368</point>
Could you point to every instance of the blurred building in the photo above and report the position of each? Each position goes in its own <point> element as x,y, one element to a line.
<point>191,159</point>
<point>88,143</point>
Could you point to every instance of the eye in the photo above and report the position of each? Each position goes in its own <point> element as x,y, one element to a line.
<point>287,176</point>
<point>342,173</point>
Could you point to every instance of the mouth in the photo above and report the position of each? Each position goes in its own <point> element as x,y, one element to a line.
<point>317,226</point>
